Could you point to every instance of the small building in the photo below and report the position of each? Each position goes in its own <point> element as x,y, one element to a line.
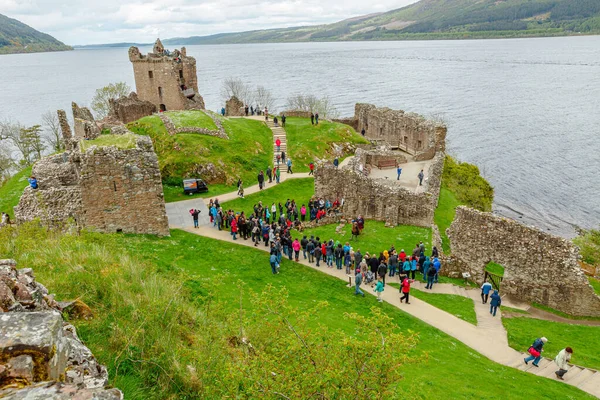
<point>166,79</point>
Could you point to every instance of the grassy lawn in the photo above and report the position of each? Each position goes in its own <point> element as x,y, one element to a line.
<point>151,285</point>
<point>522,331</point>
<point>562,314</point>
<point>192,118</point>
<point>595,284</point>
<point>444,215</point>
<point>308,142</point>
<point>249,150</point>
<point>376,238</point>
<point>127,141</point>
<point>495,268</point>
<point>300,190</point>
<point>11,191</point>
<point>459,306</point>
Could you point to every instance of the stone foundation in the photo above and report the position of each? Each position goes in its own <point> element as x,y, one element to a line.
<point>538,267</point>
<point>130,108</point>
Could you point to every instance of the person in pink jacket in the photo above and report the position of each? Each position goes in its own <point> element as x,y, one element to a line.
<point>296,246</point>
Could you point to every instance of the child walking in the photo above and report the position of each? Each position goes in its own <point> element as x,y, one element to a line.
<point>379,289</point>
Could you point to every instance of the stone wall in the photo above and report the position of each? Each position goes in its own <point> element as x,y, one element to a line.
<point>130,108</point>
<point>348,121</point>
<point>161,76</point>
<point>408,131</point>
<point>297,113</point>
<point>84,124</point>
<point>377,199</point>
<point>41,356</point>
<point>538,267</point>
<point>103,188</point>
<point>234,107</point>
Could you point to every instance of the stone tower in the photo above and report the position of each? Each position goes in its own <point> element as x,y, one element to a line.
<point>166,79</point>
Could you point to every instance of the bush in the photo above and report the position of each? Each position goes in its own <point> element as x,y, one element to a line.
<point>469,187</point>
<point>589,244</point>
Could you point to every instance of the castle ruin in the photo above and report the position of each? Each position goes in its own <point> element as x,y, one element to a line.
<point>106,188</point>
<point>166,79</point>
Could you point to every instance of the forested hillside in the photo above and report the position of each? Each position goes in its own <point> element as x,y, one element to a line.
<point>16,37</point>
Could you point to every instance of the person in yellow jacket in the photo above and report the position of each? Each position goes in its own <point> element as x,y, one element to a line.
<point>562,360</point>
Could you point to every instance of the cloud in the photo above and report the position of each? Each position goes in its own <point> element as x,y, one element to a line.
<point>108,21</point>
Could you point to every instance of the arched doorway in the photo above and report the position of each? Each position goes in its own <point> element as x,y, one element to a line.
<point>163,108</point>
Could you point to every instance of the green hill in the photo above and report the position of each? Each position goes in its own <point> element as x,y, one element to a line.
<point>438,19</point>
<point>16,37</point>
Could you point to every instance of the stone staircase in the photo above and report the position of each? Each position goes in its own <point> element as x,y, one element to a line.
<point>279,133</point>
<point>583,378</point>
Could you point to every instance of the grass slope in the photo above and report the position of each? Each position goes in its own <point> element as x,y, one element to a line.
<point>495,268</point>
<point>143,326</point>
<point>308,142</point>
<point>119,141</point>
<point>195,118</point>
<point>248,150</point>
<point>11,191</point>
<point>300,190</point>
<point>376,238</point>
<point>522,331</point>
<point>444,215</point>
<point>595,284</point>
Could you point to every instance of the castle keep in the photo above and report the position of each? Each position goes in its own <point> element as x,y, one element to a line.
<point>166,79</point>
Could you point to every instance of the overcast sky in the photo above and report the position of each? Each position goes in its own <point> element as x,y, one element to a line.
<point>107,21</point>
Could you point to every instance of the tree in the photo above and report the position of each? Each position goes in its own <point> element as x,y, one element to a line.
<point>52,132</point>
<point>264,98</point>
<point>236,87</point>
<point>313,104</point>
<point>100,101</point>
<point>6,163</point>
<point>27,141</point>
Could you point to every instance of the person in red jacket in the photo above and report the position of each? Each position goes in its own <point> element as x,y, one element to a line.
<point>405,289</point>
<point>278,144</point>
<point>234,228</point>
<point>311,166</point>
<point>402,256</point>
<point>296,246</point>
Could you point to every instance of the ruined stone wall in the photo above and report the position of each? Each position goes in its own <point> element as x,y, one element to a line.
<point>130,108</point>
<point>159,78</point>
<point>538,267</point>
<point>104,189</point>
<point>297,113</point>
<point>353,122</point>
<point>234,107</point>
<point>84,124</point>
<point>41,356</point>
<point>121,190</point>
<point>410,132</point>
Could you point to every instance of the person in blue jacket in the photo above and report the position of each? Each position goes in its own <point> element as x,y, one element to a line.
<point>538,346</point>
<point>33,182</point>
<point>437,265</point>
<point>495,302</point>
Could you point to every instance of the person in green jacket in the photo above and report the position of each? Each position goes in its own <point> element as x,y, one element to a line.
<point>277,175</point>
<point>379,289</point>
<point>426,266</point>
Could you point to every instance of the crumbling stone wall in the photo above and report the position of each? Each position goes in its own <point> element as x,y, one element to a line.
<point>538,267</point>
<point>408,131</point>
<point>103,188</point>
<point>130,108</point>
<point>84,123</point>
<point>41,356</point>
<point>377,199</point>
<point>234,107</point>
<point>166,79</point>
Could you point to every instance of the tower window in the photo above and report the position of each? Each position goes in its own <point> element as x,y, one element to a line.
<point>159,91</point>
<point>150,74</point>
<point>181,73</point>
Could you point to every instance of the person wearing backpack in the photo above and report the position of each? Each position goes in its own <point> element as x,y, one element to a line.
<point>318,254</point>
<point>495,303</point>
<point>379,288</point>
<point>536,350</point>
<point>430,277</point>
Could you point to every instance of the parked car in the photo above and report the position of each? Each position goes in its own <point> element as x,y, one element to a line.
<point>191,186</point>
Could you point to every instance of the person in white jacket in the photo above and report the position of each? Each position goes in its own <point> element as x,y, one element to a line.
<point>562,360</point>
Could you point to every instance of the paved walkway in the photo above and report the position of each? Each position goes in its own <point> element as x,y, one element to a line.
<point>488,337</point>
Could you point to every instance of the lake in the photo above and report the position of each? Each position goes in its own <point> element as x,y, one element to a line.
<point>526,111</point>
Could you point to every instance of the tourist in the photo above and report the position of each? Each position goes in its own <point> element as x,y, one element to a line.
<point>495,302</point>
<point>33,182</point>
<point>382,270</point>
<point>413,267</point>
<point>421,176</point>
<point>246,109</point>
<point>336,162</point>
<point>275,121</point>
<point>338,253</point>
<point>261,180</point>
<point>485,291</point>
<point>363,132</point>
<point>358,257</point>
<point>406,266</point>
<point>361,223</point>
<point>348,262</point>
<point>562,360</point>
<point>373,265</point>
<point>355,231</point>
<point>399,171</point>
<point>393,263</point>
<point>289,165</point>
<point>437,264</point>
<point>277,175</point>
<point>536,350</point>
<point>434,252</point>
<point>269,174</point>
<point>251,110</point>
<point>379,288</point>
<point>311,167</point>
<point>241,190</point>
<point>421,248</point>
<point>283,118</point>
<point>430,277</point>
<point>304,244</point>
<point>405,289</point>
<point>329,253</point>
<point>425,268</point>
<point>283,156</point>
<point>358,277</point>
<point>312,118</point>
<point>195,213</point>
<point>266,114</point>
<point>223,111</point>
<point>303,213</point>
<point>278,144</point>
<point>316,118</point>
<point>318,253</point>
<point>273,260</point>
<point>5,219</point>
<point>296,247</point>
<point>234,228</point>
